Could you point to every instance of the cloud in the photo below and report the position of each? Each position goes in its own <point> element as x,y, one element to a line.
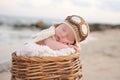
<point>86,3</point>
<point>92,10</point>
<point>111,5</point>
<point>25,4</point>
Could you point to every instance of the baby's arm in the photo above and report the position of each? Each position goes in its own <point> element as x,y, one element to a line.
<point>54,44</point>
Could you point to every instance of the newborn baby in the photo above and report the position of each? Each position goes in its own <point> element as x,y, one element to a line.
<point>63,38</point>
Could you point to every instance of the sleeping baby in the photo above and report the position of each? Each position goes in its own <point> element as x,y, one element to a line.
<point>58,40</point>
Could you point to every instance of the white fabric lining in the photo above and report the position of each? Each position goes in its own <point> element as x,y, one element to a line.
<point>33,49</point>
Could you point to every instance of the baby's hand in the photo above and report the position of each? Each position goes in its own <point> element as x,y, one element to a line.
<point>75,47</point>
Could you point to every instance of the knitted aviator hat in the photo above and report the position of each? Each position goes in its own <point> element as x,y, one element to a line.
<point>79,27</point>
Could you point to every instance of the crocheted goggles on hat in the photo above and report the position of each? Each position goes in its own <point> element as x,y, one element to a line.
<point>79,27</point>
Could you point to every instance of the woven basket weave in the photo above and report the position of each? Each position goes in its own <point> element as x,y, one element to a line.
<point>46,68</point>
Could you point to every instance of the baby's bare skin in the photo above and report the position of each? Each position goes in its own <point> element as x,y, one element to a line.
<point>64,38</point>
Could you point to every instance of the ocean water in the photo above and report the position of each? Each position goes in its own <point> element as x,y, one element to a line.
<point>12,20</point>
<point>9,34</point>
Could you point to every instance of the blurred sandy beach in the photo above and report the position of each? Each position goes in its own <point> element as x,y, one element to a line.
<point>100,57</point>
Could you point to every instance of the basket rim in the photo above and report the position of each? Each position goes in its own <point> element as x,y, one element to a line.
<point>45,58</point>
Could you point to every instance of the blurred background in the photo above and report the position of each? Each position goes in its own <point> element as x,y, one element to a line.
<point>100,52</point>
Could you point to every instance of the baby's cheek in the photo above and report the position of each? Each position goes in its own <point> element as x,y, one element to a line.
<point>51,44</point>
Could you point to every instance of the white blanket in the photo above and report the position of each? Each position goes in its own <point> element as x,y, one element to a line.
<point>33,49</point>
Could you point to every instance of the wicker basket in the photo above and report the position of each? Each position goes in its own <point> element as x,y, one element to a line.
<point>46,68</point>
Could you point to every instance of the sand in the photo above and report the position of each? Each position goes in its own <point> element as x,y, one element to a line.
<point>100,57</point>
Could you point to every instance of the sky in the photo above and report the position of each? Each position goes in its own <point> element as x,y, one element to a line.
<point>103,11</point>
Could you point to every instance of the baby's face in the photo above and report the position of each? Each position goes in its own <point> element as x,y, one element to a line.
<point>64,34</point>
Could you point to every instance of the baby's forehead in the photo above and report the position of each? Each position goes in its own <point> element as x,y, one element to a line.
<point>65,26</point>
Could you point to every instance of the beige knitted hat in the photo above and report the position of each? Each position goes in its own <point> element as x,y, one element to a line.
<point>79,27</point>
